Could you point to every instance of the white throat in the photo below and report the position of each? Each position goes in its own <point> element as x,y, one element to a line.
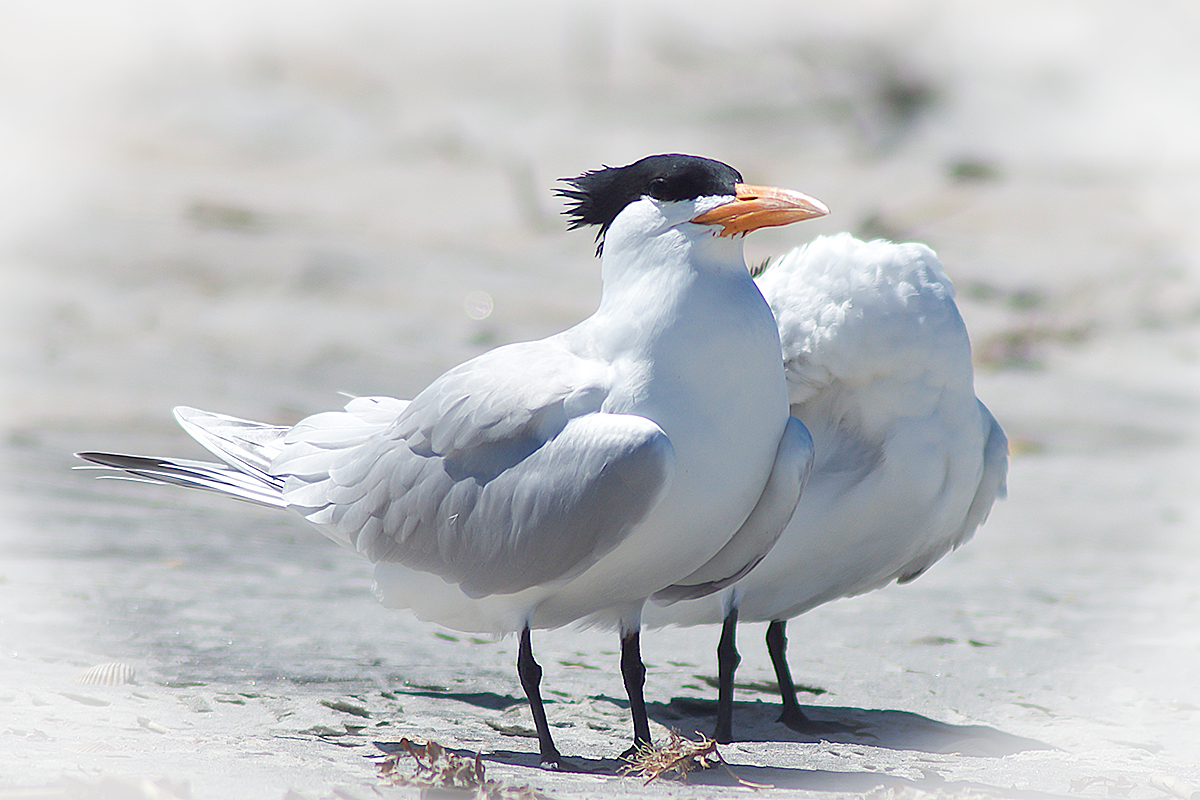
<point>652,240</point>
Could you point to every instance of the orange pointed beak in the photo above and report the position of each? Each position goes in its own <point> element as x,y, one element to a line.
<point>757,207</point>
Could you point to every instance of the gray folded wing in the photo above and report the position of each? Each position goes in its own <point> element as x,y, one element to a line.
<point>502,475</point>
<point>758,534</point>
<point>993,484</point>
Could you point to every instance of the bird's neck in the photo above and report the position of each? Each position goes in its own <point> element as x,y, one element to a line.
<point>669,288</point>
<point>651,267</point>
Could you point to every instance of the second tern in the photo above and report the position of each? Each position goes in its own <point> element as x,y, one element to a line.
<point>908,460</point>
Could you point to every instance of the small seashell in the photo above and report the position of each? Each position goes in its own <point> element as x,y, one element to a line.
<point>112,674</point>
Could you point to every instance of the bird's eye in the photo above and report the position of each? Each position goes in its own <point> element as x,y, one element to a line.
<point>656,187</point>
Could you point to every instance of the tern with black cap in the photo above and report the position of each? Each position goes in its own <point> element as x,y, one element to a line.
<point>572,477</point>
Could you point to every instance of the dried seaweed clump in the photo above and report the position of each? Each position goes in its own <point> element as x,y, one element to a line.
<point>681,756</point>
<point>438,767</point>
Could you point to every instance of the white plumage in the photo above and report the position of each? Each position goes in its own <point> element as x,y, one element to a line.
<point>571,477</point>
<point>908,460</point>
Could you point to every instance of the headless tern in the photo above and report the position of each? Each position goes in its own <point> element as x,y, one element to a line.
<point>908,460</point>
<point>572,477</point>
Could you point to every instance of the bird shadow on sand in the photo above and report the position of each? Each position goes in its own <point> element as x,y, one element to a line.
<point>487,700</point>
<point>758,722</point>
<point>890,729</point>
<point>530,758</point>
<point>742,775</point>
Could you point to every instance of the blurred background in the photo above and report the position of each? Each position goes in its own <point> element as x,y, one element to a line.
<point>250,206</point>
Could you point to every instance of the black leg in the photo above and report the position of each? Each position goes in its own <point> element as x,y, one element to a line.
<point>792,716</point>
<point>531,678</point>
<point>634,673</point>
<point>727,664</point>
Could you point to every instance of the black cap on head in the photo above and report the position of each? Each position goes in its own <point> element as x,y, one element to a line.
<point>600,195</point>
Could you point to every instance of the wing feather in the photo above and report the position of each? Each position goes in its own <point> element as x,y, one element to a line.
<point>496,486</point>
<point>758,534</point>
<point>993,485</point>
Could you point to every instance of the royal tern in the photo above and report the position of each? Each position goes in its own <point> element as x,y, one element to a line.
<point>572,477</point>
<point>908,460</point>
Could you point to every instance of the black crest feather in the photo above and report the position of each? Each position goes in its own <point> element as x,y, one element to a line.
<point>596,197</point>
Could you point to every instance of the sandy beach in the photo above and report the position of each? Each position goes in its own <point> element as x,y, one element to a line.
<point>252,207</point>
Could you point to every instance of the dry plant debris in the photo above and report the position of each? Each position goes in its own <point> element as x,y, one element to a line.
<point>681,756</point>
<point>437,767</point>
